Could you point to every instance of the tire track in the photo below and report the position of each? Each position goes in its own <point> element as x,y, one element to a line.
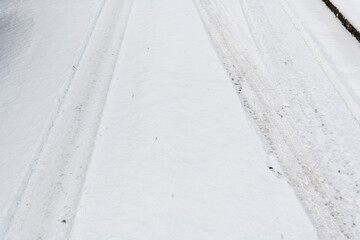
<point>49,202</point>
<point>308,125</point>
<point>53,117</point>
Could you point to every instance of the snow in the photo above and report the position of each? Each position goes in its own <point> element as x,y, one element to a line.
<point>176,156</point>
<point>40,44</point>
<point>350,9</point>
<point>183,119</point>
<point>332,41</point>
<point>53,189</point>
<point>316,138</point>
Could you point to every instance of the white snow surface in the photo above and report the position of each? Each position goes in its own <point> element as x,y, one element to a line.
<point>332,41</point>
<point>52,192</point>
<point>41,44</point>
<point>300,104</point>
<point>176,156</point>
<point>350,9</point>
<point>183,119</point>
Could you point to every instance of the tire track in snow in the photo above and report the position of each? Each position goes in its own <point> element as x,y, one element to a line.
<point>49,201</point>
<point>343,91</point>
<point>53,117</point>
<point>302,115</point>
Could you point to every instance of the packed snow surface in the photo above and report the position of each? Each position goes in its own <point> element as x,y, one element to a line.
<point>183,119</point>
<point>176,156</point>
<point>332,41</point>
<point>41,44</point>
<point>308,114</point>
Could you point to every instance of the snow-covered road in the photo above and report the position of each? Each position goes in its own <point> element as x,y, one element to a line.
<point>176,156</point>
<point>183,119</point>
<point>41,45</point>
<point>303,108</point>
<point>52,192</point>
